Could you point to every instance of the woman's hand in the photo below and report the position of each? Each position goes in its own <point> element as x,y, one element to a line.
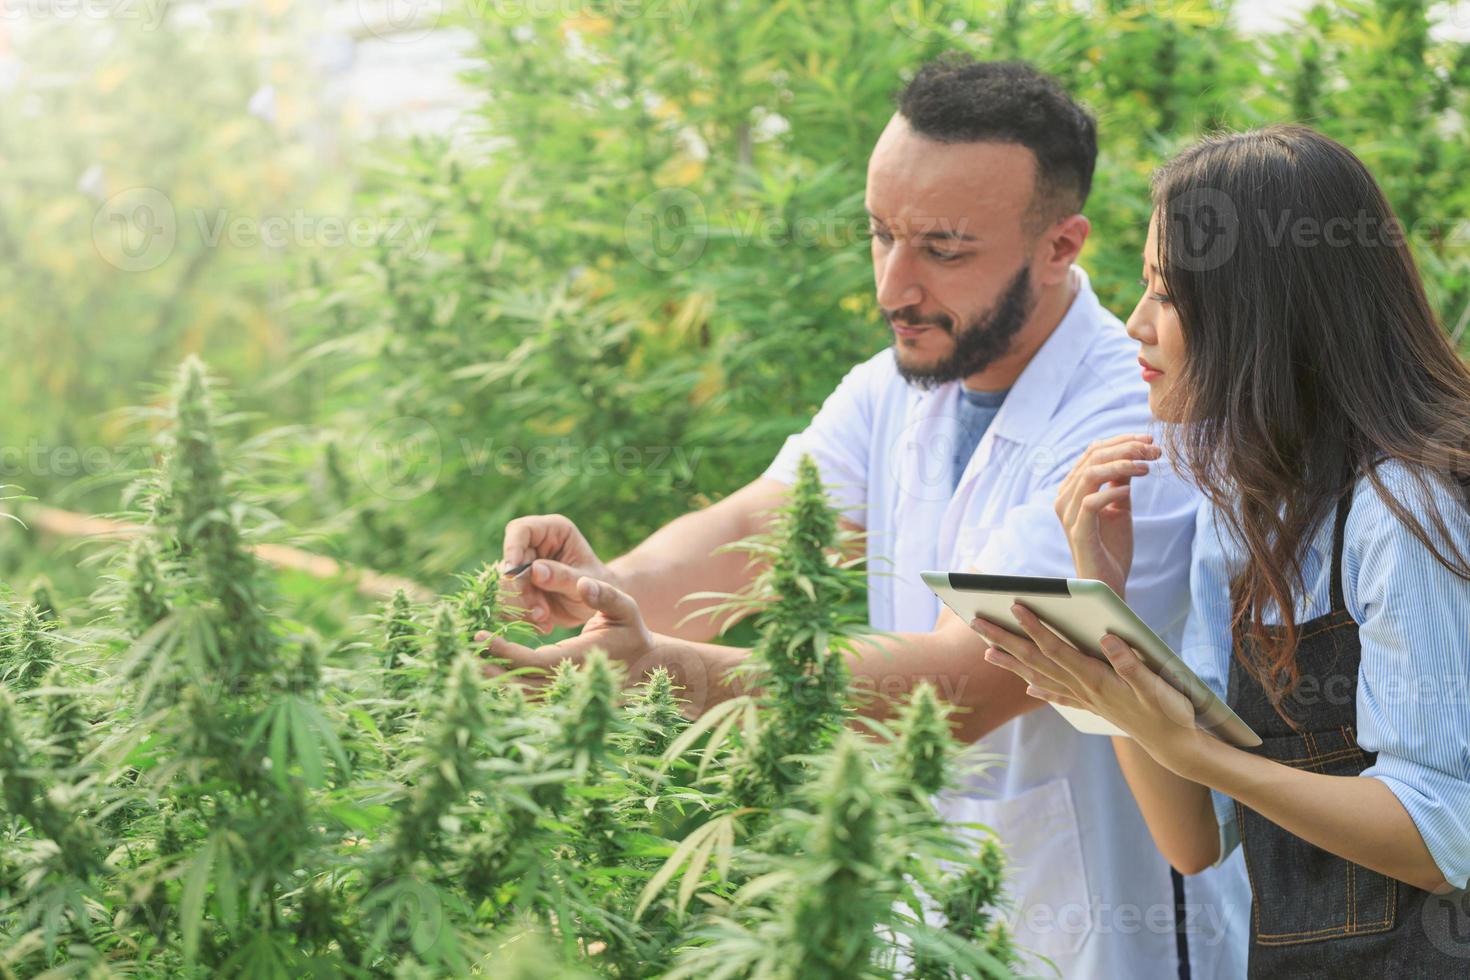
<point>1096,509</point>
<point>1122,689</point>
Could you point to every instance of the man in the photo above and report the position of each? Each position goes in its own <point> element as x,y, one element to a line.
<point>948,450</point>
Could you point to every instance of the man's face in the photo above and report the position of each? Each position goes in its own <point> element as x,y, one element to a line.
<point>951,250</point>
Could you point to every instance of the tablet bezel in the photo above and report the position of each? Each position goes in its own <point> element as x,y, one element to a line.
<point>1082,611</point>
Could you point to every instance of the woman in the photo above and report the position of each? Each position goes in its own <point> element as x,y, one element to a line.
<point>1317,404</point>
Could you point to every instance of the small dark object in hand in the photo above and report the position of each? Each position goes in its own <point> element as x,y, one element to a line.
<point>519,569</point>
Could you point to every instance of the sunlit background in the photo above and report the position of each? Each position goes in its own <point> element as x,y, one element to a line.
<point>424,243</point>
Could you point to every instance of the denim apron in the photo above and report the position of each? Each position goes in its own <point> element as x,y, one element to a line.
<point>1313,914</point>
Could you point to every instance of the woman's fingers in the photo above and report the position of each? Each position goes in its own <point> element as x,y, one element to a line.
<point>1089,479</point>
<point>1000,658</point>
<point>1054,697</point>
<point>1147,685</point>
<point>1018,647</point>
<point>1068,490</point>
<point>1119,459</point>
<point>1084,522</point>
<point>1038,687</point>
<point>1126,662</point>
<point>1076,667</point>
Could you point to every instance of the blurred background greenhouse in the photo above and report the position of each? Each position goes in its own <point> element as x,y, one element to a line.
<point>458,260</point>
<point>302,300</point>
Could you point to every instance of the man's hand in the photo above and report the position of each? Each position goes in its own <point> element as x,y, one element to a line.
<point>702,672</point>
<point>616,627</point>
<point>547,593</point>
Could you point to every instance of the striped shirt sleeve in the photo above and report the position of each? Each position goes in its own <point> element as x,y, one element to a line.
<point>1414,680</point>
<point>1206,644</point>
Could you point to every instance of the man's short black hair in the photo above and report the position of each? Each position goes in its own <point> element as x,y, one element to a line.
<point>956,99</point>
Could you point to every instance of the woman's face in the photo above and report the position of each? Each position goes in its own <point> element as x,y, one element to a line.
<point>1155,325</point>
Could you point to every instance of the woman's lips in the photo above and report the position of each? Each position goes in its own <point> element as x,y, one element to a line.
<point>1150,373</point>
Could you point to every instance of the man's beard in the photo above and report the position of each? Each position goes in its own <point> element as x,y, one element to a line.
<point>984,340</point>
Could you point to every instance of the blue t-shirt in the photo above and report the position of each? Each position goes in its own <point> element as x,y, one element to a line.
<point>977,410</point>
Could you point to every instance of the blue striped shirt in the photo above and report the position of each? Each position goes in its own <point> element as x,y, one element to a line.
<point>1413,616</point>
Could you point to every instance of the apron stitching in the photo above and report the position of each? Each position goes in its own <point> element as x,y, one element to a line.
<point>1352,915</point>
<point>1313,761</point>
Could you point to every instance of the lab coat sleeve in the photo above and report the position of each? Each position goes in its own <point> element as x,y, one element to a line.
<point>839,439</point>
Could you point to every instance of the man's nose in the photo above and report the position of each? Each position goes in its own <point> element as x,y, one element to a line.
<point>897,285</point>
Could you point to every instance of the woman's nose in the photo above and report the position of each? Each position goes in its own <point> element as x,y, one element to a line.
<point>1141,328</point>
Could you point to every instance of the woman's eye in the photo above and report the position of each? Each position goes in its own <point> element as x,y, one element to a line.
<point>882,236</point>
<point>1156,297</point>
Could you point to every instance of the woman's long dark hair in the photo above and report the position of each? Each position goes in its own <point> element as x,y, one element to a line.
<point>1311,355</point>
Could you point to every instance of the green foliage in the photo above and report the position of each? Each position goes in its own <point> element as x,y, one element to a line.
<point>805,621</point>
<point>650,260</point>
<point>29,652</point>
<point>146,603</point>
<point>116,250</point>
<point>924,741</point>
<point>265,800</point>
<point>833,913</point>
<point>648,266</point>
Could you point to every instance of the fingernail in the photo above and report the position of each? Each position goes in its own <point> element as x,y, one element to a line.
<point>482,636</point>
<point>1018,609</point>
<point>540,573</point>
<point>593,591</point>
<point>539,612</point>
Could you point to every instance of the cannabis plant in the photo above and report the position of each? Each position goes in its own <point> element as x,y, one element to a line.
<point>199,784</point>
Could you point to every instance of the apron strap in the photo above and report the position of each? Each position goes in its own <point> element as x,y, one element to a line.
<point>1344,504</point>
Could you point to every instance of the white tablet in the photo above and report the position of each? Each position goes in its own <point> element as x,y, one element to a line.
<point>1082,611</point>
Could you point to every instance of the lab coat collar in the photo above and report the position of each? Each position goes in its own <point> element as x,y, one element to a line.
<point>923,456</point>
<point>1034,397</point>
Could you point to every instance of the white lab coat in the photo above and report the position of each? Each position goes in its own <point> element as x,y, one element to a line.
<point>1092,893</point>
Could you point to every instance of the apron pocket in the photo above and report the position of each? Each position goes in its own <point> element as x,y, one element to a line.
<point>1329,897</point>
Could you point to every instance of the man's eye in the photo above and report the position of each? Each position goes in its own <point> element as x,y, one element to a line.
<point>880,234</point>
<point>945,256</point>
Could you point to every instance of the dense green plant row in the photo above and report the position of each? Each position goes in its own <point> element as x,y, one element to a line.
<point>650,262</point>
<point>192,783</point>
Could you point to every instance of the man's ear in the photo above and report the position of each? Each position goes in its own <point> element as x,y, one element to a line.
<point>1060,246</point>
